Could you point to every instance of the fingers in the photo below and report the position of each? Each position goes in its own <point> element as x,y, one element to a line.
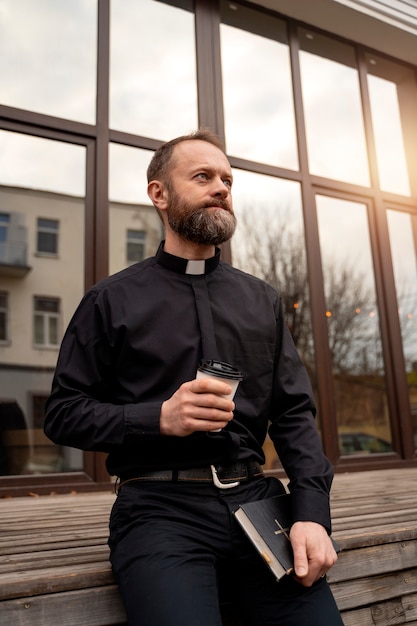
<point>300,560</point>
<point>313,551</point>
<point>210,385</point>
<point>198,405</point>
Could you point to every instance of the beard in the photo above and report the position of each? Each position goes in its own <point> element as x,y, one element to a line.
<point>198,224</point>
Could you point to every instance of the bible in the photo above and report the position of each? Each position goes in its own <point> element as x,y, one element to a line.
<point>267,524</point>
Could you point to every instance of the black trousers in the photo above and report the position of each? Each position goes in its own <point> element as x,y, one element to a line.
<point>176,551</point>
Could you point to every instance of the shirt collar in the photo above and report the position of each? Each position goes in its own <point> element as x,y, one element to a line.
<point>184,266</point>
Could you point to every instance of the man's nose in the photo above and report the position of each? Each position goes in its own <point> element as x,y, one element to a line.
<point>220,188</point>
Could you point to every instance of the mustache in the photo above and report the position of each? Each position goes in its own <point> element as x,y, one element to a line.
<point>221,203</point>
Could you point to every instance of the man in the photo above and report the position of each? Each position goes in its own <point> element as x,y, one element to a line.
<point>126,384</point>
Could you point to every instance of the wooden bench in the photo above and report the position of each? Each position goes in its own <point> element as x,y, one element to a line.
<point>54,557</point>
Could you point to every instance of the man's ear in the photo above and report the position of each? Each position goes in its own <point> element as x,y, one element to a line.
<point>158,194</point>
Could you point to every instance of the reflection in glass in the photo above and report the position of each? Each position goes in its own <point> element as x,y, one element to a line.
<point>48,53</point>
<point>47,239</point>
<point>389,141</point>
<point>353,326</point>
<point>257,87</point>
<point>403,250</point>
<point>135,228</point>
<point>332,106</point>
<point>269,243</point>
<point>36,163</point>
<point>153,85</point>
<point>41,283</point>
<point>46,322</point>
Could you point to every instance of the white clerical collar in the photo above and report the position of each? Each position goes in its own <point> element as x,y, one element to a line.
<point>195,267</point>
<point>187,266</point>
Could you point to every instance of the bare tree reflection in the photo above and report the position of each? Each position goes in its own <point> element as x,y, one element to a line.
<point>407,306</point>
<point>274,250</point>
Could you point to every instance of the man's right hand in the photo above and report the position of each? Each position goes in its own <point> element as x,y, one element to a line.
<point>198,405</point>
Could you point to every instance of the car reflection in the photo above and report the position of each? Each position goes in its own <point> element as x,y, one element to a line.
<point>362,443</point>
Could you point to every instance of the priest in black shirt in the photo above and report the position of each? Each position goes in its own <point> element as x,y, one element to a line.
<point>185,455</point>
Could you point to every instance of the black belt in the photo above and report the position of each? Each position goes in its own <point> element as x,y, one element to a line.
<point>223,477</point>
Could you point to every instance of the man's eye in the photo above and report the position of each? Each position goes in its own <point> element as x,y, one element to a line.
<point>228,183</point>
<point>202,175</point>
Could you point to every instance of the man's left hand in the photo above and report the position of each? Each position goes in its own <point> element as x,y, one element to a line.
<point>314,553</point>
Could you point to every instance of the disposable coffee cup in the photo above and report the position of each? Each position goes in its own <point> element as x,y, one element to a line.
<point>218,369</point>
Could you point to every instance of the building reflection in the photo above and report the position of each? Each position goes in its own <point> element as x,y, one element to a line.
<point>37,299</point>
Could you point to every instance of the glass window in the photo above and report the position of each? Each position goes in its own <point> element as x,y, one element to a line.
<point>403,239</point>
<point>269,243</point>
<point>153,84</point>
<point>38,403</point>
<point>31,163</point>
<point>46,322</point>
<point>332,107</point>
<point>51,47</point>
<point>130,208</point>
<point>388,83</point>
<point>353,324</point>
<point>47,236</point>
<point>4,227</point>
<point>41,296</point>
<point>13,248</point>
<point>135,246</point>
<point>257,87</point>
<point>10,249</point>
<point>4,312</point>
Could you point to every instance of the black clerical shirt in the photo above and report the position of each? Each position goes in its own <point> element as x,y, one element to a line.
<point>139,334</point>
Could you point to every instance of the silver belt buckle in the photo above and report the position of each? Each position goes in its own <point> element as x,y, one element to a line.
<point>219,484</point>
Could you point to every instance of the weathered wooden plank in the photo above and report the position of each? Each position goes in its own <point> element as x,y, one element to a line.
<point>361,537</point>
<point>23,520</point>
<point>14,507</point>
<point>381,480</point>
<point>341,500</point>
<point>62,503</point>
<point>375,589</point>
<point>51,524</point>
<point>63,538</point>
<point>391,613</point>
<point>58,579</point>
<point>374,521</point>
<point>374,560</point>
<point>54,498</point>
<point>53,558</point>
<point>100,606</point>
<point>86,607</point>
<point>401,610</point>
<point>375,518</point>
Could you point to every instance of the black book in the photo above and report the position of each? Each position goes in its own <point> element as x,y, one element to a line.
<point>267,523</point>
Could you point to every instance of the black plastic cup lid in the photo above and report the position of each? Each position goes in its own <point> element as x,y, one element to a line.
<point>220,369</point>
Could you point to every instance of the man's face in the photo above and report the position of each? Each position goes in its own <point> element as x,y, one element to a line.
<point>200,203</point>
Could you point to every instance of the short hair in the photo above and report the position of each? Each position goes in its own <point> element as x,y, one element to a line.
<point>160,163</point>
